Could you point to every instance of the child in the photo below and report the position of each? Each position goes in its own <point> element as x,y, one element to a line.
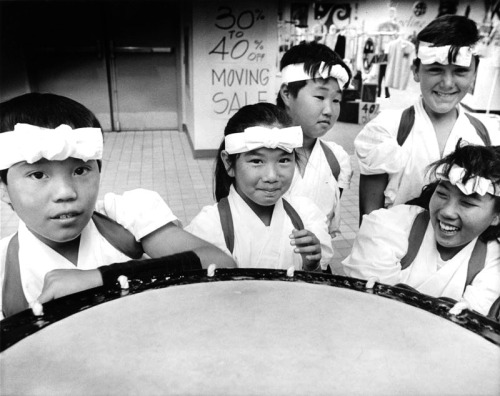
<point>50,160</point>
<point>254,169</point>
<point>394,149</point>
<point>313,77</point>
<point>455,255</point>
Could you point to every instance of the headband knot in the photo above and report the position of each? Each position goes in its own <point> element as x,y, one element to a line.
<point>31,143</point>
<point>257,137</point>
<point>296,72</point>
<point>476,184</point>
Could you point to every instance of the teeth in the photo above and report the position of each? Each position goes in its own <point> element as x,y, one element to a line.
<point>446,227</point>
<point>65,216</point>
<point>444,94</point>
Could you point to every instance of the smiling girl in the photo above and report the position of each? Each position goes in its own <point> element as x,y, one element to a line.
<point>395,148</point>
<point>457,253</point>
<point>255,167</point>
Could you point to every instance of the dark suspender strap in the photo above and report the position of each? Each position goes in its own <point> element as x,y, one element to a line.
<point>415,238</point>
<point>13,299</point>
<point>494,312</point>
<point>118,236</point>
<point>480,129</point>
<point>331,159</point>
<point>294,216</point>
<point>476,261</point>
<point>226,221</point>
<point>406,124</point>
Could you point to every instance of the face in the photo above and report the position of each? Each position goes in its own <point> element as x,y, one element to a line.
<point>262,176</point>
<point>444,86</point>
<point>458,218</point>
<point>55,199</point>
<point>316,107</point>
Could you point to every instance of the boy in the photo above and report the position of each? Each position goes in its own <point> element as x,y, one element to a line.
<point>50,160</point>
<point>313,77</point>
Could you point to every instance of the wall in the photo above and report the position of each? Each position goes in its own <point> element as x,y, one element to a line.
<point>234,52</point>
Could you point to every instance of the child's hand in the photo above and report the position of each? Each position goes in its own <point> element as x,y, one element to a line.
<point>61,282</point>
<point>307,244</point>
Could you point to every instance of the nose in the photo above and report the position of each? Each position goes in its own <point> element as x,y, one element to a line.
<point>328,108</point>
<point>63,188</point>
<point>271,174</point>
<point>447,80</point>
<point>449,209</point>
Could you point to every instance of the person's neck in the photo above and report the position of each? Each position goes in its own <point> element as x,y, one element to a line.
<point>450,116</point>
<point>69,250</point>
<point>265,213</point>
<point>447,253</point>
<point>307,148</point>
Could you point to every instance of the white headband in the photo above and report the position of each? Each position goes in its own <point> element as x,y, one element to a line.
<point>476,184</point>
<point>31,143</point>
<point>296,72</point>
<point>429,54</point>
<point>256,137</point>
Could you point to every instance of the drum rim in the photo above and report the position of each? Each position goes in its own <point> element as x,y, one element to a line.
<point>19,326</point>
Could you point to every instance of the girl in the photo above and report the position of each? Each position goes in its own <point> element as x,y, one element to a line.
<point>255,166</point>
<point>457,253</point>
<point>395,148</point>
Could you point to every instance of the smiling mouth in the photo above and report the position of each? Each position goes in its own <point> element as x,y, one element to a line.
<point>448,229</point>
<point>445,95</point>
<point>66,216</point>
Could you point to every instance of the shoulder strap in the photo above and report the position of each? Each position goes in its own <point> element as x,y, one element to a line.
<point>294,216</point>
<point>226,221</point>
<point>406,124</point>
<point>331,159</point>
<point>13,299</point>
<point>415,238</point>
<point>476,261</point>
<point>118,236</point>
<point>480,129</point>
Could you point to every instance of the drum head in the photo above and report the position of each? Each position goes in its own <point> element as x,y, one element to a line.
<point>252,337</point>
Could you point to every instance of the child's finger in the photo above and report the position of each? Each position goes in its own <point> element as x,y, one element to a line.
<point>314,257</point>
<point>308,249</point>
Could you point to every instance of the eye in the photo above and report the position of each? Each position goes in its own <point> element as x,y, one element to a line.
<point>441,194</point>
<point>285,160</point>
<point>82,170</point>
<point>37,175</point>
<point>467,204</point>
<point>320,97</point>
<point>255,161</point>
<point>336,100</point>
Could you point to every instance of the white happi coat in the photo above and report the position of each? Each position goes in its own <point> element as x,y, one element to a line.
<point>257,245</point>
<point>319,185</point>
<point>140,211</point>
<point>377,150</point>
<point>382,242</point>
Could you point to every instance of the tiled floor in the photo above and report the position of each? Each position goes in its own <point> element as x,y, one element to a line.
<point>163,161</point>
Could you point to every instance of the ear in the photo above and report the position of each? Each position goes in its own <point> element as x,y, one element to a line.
<point>416,76</point>
<point>227,163</point>
<point>285,94</point>
<point>4,194</point>
<point>496,220</point>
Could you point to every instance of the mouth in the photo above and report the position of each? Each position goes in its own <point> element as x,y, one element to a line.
<point>448,229</point>
<point>324,122</point>
<point>65,216</point>
<point>445,95</point>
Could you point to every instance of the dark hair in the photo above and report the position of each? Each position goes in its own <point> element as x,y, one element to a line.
<point>311,54</point>
<point>455,30</point>
<point>265,114</point>
<point>45,110</point>
<point>476,160</point>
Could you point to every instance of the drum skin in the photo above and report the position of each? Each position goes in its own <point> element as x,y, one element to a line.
<point>252,337</point>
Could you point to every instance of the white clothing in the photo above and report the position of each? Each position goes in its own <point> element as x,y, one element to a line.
<point>378,152</point>
<point>382,242</point>
<point>140,211</point>
<point>257,245</point>
<point>319,185</point>
<point>400,56</point>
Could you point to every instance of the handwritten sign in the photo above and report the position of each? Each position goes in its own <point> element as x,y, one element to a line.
<point>235,57</point>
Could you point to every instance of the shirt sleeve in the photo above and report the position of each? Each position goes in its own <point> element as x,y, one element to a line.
<point>140,211</point>
<point>315,221</point>
<point>485,287</point>
<point>381,243</point>
<point>376,146</point>
<point>206,225</point>
<point>344,159</point>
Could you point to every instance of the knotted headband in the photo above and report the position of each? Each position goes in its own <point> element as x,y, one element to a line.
<point>31,143</point>
<point>257,137</point>
<point>476,184</point>
<point>296,72</point>
<point>429,54</point>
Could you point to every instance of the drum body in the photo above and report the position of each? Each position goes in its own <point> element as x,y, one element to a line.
<point>258,335</point>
